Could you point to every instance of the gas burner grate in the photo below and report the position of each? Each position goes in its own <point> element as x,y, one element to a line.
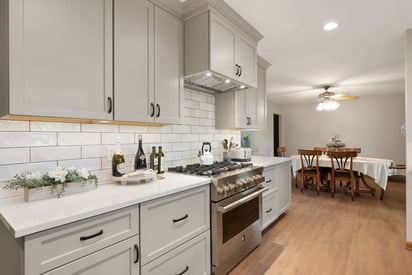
<point>209,170</point>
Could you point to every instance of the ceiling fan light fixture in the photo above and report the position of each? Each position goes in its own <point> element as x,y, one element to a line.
<point>327,105</point>
<point>330,26</point>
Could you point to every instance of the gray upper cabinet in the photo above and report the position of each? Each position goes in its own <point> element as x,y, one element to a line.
<point>261,99</point>
<point>95,60</point>
<point>133,60</point>
<point>168,86</point>
<point>60,58</point>
<point>246,58</point>
<point>148,63</point>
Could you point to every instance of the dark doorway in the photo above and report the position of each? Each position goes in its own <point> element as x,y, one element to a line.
<point>275,133</point>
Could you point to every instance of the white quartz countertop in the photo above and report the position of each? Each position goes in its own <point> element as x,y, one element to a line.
<point>267,161</point>
<point>24,218</point>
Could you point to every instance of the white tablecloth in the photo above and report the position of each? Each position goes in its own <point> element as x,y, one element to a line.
<point>373,167</point>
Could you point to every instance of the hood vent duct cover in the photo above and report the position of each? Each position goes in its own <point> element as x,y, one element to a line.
<point>213,83</point>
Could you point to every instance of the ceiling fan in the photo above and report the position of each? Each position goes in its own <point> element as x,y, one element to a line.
<point>328,100</point>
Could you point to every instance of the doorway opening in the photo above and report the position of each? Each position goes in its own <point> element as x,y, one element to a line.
<point>275,134</point>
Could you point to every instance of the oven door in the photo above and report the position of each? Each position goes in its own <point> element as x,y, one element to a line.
<point>236,228</point>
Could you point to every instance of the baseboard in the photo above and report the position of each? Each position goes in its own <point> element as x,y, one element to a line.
<point>408,245</point>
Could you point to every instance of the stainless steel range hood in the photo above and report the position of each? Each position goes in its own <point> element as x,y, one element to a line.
<point>212,83</point>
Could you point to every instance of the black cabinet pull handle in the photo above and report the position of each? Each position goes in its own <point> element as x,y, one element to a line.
<point>184,271</point>
<point>158,110</point>
<point>136,250</point>
<point>268,181</point>
<point>270,210</point>
<point>182,218</point>
<point>153,110</point>
<point>84,238</point>
<point>240,72</point>
<point>237,69</point>
<point>109,99</point>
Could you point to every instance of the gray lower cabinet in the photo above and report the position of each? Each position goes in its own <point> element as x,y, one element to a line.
<point>115,259</point>
<point>277,199</point>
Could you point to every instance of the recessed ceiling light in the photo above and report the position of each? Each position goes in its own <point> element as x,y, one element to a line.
<point>330,26</point>
<point>209,74</point>
<point>242,87</point>
<point>227,81</point>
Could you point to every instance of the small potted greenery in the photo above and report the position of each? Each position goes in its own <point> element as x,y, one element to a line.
<point>52,184</point>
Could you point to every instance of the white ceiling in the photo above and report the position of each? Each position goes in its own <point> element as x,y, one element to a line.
<point>364,56</point>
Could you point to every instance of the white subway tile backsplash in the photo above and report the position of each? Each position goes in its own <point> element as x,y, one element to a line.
<point>133,129</point>
<point>78,138</point>
<point>100,128</point>
<point>12,125</point>
<point>14,155</point>
<point>55,153</point>
<point>38,145</point>
<point>89,164</point>
<point>9,171</point>
<point>170,138</point>
<point>110,138</point>
<point>54,126</point>
<point>26,139</point>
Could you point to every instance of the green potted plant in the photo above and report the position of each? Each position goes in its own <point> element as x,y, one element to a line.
<point>39,186</point>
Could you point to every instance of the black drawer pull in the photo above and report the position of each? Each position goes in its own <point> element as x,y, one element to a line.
<point>270,210</point>
<point>109,99</point>
<point>153,110</point>
<point>181,219</point>
<point>136,250</point>
<point>184,271</point>
<point>268,181</point>
<point>84,238</point>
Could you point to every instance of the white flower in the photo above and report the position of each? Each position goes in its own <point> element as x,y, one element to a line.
<point>58,175</point>
<point>83,173</point>
<point>36,175</point>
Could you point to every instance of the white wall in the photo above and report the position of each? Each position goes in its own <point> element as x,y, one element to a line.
<point>31,146</point>
<point>408,110</point>
<point>371,123</point>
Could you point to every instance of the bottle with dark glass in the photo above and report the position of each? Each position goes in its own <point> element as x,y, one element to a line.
<point>160,161</point>
<point>118,164</point>
<point>153,159</point>
<point>140,159</point>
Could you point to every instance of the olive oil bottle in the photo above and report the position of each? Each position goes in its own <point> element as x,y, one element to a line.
<point>118,163</point>
<point>160,161</point>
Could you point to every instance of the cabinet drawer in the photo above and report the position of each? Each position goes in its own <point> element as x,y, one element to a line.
<point>270,176</point>
<point>170,221</point>
<point>119,259</point>
<point>192,257</point>
<point>55,247</point>
<point>269,208</point>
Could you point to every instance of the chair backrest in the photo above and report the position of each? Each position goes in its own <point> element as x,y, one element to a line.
<point>281,151</point>
<point>309,159</point>
<point>357,150</point>
<point>321,149</point>
<point>342,161</point>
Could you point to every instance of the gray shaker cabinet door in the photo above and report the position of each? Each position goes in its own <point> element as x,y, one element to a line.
<point>61,58</point>
<point>247,58</point>
<point>133,60</point>
<point>168,68</point>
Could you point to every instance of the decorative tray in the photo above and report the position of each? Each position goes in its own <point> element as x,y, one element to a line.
<point>137,176</point>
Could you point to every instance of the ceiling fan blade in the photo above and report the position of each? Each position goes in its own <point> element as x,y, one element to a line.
<point>345,97</point>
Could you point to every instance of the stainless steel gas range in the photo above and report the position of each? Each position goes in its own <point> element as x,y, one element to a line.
<point>236,207</point>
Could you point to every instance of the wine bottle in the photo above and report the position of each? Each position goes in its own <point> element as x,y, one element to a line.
<point>118,164</point>
<point>153,159</point>
<point>140,159</point>
<point>160,161</point>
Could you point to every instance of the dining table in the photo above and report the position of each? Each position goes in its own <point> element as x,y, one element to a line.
<point>376,168</point>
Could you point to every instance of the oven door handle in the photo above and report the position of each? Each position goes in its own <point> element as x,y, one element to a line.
<point>226,208</point>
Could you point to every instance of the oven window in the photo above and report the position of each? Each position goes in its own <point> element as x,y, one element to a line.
<point>240,218</point>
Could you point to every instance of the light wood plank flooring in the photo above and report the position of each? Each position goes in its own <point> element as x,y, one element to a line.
<point>320,235</point>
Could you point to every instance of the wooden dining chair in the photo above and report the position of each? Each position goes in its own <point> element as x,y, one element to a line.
<point>323,150</point>
<point>342,169</point>
<point>310,168</point>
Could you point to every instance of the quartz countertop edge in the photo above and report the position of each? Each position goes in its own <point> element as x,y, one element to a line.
<point>267,161</point>
<point>25,218</point>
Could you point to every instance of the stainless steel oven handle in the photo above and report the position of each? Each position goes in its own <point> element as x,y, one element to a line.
<point>247,198</point>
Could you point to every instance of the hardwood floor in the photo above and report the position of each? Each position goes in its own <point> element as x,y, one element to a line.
<point>333,236</point>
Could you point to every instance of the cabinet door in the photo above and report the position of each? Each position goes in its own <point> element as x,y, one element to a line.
<point>61,58</point>
<point>283,179</point>
<point>168,67</point>
<point>251,107</point>
<point>119,259</point>
<point>246,57</point>
<point>222,47</point>
<point>240,109</point>
<point>261,105</point>
<point>133,60</point>
<point>269,208</point>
